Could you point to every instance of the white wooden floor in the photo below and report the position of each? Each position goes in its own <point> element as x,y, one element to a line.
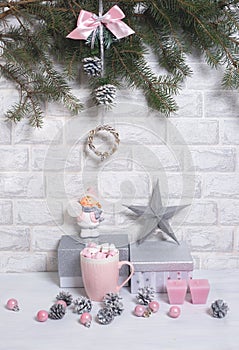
<point>195,329</point>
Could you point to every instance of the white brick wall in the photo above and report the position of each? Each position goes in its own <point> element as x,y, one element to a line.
<point>194,154</point>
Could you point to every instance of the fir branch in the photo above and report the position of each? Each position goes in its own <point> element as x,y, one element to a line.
<point>38,58</point>
<point>162,16</point>
<point>170,56</point>
<point>209,29</point>
<point>157,90</point>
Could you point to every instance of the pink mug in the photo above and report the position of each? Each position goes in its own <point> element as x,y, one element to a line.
<point>100,276</point>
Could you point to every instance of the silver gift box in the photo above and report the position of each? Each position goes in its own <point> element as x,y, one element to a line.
<point>157,261</point>
<point>69,269</point>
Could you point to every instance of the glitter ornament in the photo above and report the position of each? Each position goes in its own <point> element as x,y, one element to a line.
<point>105,94</point>
<point>67,297</point>
<point>219,308</point>
<point>42,315</point>
<point>145,295</point>
<point>81,305</point>
<point>154,306</point>
<point>12,304</point>
<point>105,316</point>
<point>57,311</point>
<point>86,319</point>
<point>174,311</point>
<point>139,310</point>
<point>92,66</point>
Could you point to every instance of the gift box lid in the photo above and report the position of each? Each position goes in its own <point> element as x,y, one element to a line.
<point>160,256</point>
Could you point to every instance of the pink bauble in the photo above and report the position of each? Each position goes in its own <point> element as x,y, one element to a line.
<point>62,302</point>
<point>154,306</point>
<point>86,319</point>
<point>139,310</point>
<point>174,311</point>
<point>12,304</point>
<point>42,316</point>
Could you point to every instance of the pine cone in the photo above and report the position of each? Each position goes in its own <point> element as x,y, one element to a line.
<point>82,305</point>
<point>111,298</point>
<point>105,94</point>
<point>57,311</point>
<point>116,309</point>
<point>105,315</point>
<point>145,295</point>
<point>112,301</point>
<point>66,296</point>
<point>219,308</point>
<point>92,66</point>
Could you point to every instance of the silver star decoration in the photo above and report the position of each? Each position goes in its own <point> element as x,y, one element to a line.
<point>155,215</point>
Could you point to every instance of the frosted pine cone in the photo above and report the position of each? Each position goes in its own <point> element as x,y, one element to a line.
<point>67,297</point>
<point>92,66</point>
<point>145,295</point>
<point>111,298</point>
<point>112,301</point>
<point>57,311</point>
<point>82,305</point>
<point>105,94</point>
<point>116,309</point>
<point>219,308</point>
<point>105,315</point>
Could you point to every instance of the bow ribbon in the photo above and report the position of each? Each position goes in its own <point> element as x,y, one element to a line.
<point>88,22</point>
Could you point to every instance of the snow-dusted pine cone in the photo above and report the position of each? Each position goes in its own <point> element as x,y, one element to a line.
<point>219,308</point>
<point>145,295</point>
<point>92,66</point>
<point>111,298</point>
<point>112,301</point>
<point>81,305</point>
<point>116,309</point>
<point>105,315</point>
<point>57,311</point>
<point>66,296</point>
<point>105,94</point>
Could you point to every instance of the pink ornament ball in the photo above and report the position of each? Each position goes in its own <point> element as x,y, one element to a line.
<point>62,302</point>
<point>139,310</point>
<point>154,306</point>
<point>174,311</point>
<point>86,319</point>
<point>12,304</point>
<point>42,316</point>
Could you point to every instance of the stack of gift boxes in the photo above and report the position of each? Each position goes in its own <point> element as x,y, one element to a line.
<point>155,262</point>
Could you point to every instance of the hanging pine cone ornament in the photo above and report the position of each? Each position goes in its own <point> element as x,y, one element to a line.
<point>112,301</point>
<point>57,311</point>
<point>105,94</point>
<point>92,66</point>
<point>105,315</point>
<point>81,305</point>
<point>219,308</point>
<point>145,295</point>
<point>66,296</point>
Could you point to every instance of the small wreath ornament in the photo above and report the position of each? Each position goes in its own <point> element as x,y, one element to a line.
<point>94,132</point>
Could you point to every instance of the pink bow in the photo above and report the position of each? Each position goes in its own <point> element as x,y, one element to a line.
<point>87,22</point>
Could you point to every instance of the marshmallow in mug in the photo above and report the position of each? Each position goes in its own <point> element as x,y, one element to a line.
<point>103,251</point>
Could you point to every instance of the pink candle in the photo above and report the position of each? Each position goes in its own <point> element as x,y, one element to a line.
<point>199,289</point>
<point>176,290</point>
